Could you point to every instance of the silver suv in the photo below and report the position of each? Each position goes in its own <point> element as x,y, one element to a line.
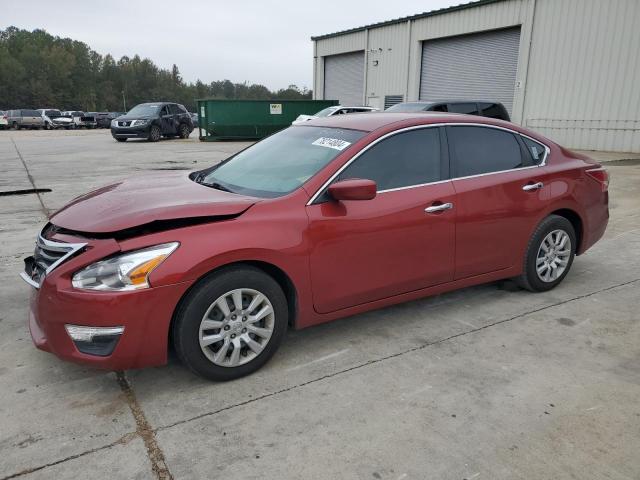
<point>24,118</point>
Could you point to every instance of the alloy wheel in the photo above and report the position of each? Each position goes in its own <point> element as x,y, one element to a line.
<point>553,255</point>
<point>236,328</point>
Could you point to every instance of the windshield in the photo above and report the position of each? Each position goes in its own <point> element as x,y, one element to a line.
<point>281,163</point>
<point>326,112</point>
<point>52,113</point>
<point>145,109</point>
<point>408,107</point>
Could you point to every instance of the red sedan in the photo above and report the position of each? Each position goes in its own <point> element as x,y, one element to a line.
<point>320,221</point>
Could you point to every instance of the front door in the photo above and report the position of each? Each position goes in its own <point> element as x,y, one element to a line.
<point>368,250</point>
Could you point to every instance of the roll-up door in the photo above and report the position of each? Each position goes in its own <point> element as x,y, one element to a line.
<point>344,78</point>
<point>478,66</point>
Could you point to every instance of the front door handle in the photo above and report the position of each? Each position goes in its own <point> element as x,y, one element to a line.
<point>438,208</point>
<point>533,186</point>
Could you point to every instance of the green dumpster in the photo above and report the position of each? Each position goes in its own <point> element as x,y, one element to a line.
<point>251,119</point>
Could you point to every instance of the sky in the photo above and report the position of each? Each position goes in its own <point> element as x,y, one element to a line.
<point>265,42</point>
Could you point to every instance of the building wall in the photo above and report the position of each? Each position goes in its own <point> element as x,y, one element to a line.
<point>578,65</point>
<point>583,87</point>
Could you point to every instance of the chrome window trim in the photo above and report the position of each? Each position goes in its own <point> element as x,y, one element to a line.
<point>431,125</point>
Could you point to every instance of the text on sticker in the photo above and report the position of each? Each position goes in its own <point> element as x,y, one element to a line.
<point>334,143</point>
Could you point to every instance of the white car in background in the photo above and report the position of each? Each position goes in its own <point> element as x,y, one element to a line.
<point>330,111</point>
<point>4,122</point>
<point>53,119</point>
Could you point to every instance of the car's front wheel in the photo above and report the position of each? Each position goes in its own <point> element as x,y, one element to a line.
<point>154,133</point>
<point>549,255</point>
<point>230,323</point>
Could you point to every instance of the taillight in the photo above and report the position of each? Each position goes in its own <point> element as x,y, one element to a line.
<point>601,176</point>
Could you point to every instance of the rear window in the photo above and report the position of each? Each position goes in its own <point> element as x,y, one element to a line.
<point>408,107</point>
<point>535,149</point>
<point>493,110</point>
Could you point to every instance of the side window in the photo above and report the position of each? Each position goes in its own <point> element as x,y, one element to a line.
<point>405,159</point>
<point>439,108</point>
<point>536,150</point>
<point>479,150</point>
<point>468,108</point>
<point>174,109</point>
<point>164,110</point>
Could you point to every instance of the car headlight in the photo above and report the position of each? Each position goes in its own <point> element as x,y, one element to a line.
<point>139,122</point>
<point>114,123</point>
<point>129,271</point>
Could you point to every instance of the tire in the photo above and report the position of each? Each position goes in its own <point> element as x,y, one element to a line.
<point>47,126</point>
<point>557,235</point>
<point>201,304</point>
<point>16,126</point>
<point>154,133</point>
<point>120,139</point>
<point>183,131</point>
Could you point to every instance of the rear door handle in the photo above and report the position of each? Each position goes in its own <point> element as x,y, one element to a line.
<point>533,186</point>
<point>439,208</point>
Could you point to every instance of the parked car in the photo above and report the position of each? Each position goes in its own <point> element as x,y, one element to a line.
<point>4,122</point>
<point>470,107</point>
<point>103,119</point>
<point>335,217</point>
<point>335,110</point>
<point>24,118</point>
<point>75,117</point>
<point>54,118</point>
<point>88,120</point>
<point>152,121</point>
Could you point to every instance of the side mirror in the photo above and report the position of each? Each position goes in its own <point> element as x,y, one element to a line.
<point>354,189</point>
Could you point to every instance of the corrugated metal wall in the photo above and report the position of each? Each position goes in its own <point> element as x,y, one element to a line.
<point>583,86</point>
<point>578,64</point>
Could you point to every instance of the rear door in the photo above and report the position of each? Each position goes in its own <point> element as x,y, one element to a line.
<point>167,120</point>
<point>500,194</point>
<point>364,251</point>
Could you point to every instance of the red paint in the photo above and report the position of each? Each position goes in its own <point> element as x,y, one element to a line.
<point>342,257</point>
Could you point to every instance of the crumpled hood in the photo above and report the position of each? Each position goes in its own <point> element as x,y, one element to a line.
<point>145,199</point>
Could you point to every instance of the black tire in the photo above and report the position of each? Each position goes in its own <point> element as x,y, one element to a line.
<point>154,133</point>
<point>16,126</point>
<point>120,139</point>
<point>529,279</point>
<point>190,313</point>
<point>183,131</point>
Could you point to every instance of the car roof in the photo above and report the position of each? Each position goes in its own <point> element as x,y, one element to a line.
<point>373,121</point>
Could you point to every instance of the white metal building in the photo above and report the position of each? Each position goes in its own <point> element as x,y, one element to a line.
<point>569,69</point>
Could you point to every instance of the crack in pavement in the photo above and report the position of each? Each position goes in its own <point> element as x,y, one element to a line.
<point>45,210</point>
<point>155,454</point>
<point>121,441</point>
<point>144,430</point>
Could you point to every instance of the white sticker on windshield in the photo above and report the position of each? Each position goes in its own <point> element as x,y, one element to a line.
<point>334,143</point>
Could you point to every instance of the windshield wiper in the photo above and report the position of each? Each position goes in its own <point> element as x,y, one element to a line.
<point>216,185</point>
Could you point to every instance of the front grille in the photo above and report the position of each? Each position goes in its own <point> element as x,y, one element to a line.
<point>46,257</point>
<point>125,124</point>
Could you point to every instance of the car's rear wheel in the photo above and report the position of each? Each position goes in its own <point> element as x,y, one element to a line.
<point>231,323</point>
<point>549,255</point>
<point>154,133</point>
<point>183,131</point>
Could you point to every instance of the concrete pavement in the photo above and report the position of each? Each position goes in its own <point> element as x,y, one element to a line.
<point>483,383</point>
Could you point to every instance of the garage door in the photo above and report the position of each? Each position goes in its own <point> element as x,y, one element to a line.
<point>344,78</point>
<point>477,66</point>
